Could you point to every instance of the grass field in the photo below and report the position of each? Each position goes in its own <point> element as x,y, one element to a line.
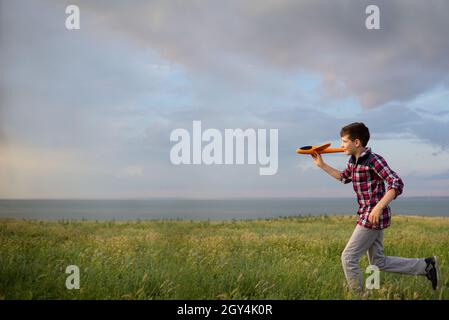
<point>283,258</point>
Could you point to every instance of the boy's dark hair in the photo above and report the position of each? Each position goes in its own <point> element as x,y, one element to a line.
<point>356,130</point>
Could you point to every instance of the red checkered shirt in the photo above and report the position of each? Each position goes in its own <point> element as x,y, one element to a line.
<point>368,175</point>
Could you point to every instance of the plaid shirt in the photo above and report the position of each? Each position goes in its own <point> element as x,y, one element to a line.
<point>368,175</point>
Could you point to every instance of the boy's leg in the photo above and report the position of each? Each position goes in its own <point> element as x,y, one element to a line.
<point>361,240</point>
<point>394,264</point>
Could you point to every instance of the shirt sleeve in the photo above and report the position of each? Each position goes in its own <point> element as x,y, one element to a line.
<point>346,175</point>
<point>384,171</point>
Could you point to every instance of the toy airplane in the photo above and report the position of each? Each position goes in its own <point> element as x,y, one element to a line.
<point>319,149</point>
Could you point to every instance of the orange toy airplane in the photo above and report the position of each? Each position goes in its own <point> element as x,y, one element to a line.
<point>319,149</point>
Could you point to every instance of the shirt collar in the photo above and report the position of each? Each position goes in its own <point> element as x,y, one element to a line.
<point>364,153</point>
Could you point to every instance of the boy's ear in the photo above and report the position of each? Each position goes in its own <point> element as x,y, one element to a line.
<point>357,142</point>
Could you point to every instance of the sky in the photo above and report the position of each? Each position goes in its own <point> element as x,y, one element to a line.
<point>88,113</point>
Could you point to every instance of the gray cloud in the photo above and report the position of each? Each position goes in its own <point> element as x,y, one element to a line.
<point>112,92</point>
<point>407,57</point>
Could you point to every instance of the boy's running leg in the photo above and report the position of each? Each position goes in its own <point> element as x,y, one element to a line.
<point>394,264</point>
<point>412,266</point>
<point>361,240</point>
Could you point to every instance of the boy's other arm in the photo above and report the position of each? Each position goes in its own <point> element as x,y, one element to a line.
<point>375,214</point>
<point>395,187</point>
<point>321,164</point>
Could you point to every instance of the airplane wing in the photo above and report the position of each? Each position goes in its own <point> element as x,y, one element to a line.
<point>320,149</point>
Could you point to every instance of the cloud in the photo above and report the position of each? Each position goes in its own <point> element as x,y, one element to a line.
<point>131,171</point>
<point>440,176</point>
<point>28,171</point>
<point>109,94</point>
<point>225,39</point>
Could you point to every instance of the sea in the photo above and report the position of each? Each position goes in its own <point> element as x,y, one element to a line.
<point>205,209</point>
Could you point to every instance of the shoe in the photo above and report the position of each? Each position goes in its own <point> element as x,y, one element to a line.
<point>432,271</point>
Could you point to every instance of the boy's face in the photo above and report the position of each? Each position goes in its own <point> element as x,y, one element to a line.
<point>349,145</point>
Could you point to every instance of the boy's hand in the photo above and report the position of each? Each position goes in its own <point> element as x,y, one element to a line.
<point>374,215</point>
<point>317,159</point>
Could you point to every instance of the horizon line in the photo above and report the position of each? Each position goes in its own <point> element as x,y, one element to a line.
<point>213,198</point>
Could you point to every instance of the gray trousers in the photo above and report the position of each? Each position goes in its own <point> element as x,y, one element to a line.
<point>372,241</point>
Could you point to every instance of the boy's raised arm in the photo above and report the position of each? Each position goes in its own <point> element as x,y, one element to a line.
<point>321,164</point>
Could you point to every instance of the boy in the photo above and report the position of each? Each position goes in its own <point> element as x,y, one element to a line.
<point>368,171</point>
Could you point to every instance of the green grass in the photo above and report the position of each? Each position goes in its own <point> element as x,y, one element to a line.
<point>284,258</point>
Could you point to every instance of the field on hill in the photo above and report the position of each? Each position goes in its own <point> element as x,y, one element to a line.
<point>282,258</point>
